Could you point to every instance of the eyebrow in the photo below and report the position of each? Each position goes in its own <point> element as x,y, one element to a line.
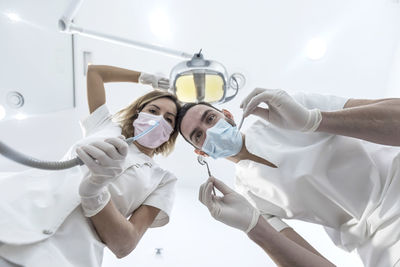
<point>203,117</point>
<point>157,107</point>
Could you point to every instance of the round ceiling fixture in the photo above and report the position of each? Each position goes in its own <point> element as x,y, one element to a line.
<point>2,112</point>
<point>15,99</point>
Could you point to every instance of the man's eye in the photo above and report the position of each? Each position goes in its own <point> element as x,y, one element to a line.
<point>210,118</point>
<point>198,136</point>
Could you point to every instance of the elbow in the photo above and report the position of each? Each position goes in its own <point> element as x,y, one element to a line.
<point>95,72</point>
<point>124,247</point>
<point>121,253</point>
<point>92,70</point>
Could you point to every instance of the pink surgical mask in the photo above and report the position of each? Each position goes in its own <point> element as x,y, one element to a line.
<point>158,135</point>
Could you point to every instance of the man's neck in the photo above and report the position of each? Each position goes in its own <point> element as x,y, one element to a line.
<point>244,154</point>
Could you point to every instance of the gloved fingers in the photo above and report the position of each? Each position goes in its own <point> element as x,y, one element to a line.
<point>260,112</point>
<point>255,101</point>
<point>208,197</point>
<point>267,95</point>
<point>88,160</point>
<point>205,195</point>
<point>120,144</point>
<point>97,154</point>
<point>201,193</point>
<point>223,188</point>
<point>253,93</point>
<point>163,81</point>
<point>145,78</point>
<point>109,149</point>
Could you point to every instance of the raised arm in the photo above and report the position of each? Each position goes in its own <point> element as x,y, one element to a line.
<point>97,75</point>
<point>376,121</point>
<point>372,120</point>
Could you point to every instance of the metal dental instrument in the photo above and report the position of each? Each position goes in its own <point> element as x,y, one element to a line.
<point>241,123</point>
<point>202,161</point>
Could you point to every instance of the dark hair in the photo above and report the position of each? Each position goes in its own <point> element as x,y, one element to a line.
<point>182,112</point>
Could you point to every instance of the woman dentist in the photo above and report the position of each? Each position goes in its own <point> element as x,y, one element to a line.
<point>66,218</point>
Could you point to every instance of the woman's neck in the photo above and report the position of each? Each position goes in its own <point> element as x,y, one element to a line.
<point>148,151</point>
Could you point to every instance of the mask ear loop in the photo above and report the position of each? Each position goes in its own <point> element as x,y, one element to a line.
<point>134,117</point>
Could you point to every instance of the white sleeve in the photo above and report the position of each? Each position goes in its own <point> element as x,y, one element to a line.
<point>321,102</point>
<point>99,119</point>
<point>162,198</point>
<point>275,222</point>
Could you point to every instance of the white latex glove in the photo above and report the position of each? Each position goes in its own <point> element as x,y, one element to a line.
<point>283,111</point>
<point>232,209</point>
<point>157,82</point>
<point>104,159</point>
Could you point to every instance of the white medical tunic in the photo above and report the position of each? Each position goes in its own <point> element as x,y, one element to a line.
<point>42,222</point>
<point>349,186</point>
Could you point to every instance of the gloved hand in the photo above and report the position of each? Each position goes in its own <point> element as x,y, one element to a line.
<point>283,111</point>
<point>104,159</point>
<point>155,81</point>
<point>231,209</point>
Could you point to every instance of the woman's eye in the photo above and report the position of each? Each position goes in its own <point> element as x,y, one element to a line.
<point>153,111</point>
<point>169,120</point>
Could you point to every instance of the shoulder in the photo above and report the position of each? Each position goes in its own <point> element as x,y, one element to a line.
<point>168,176</point>
<point>98,120</point>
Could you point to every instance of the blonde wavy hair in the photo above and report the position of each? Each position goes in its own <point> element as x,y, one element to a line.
<point>126,116</point>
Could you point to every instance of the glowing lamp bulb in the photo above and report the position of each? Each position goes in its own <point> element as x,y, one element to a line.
<point>316,49</point>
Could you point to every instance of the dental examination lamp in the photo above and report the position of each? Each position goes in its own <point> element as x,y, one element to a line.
<point>199,80</point>
<point>193,80</point>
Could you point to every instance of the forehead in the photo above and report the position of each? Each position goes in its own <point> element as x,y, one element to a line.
<point>164,103</point>
<point>192,118</point>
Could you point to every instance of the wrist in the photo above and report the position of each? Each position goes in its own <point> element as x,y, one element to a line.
<point>313,122</point>
<point>275,222</point>
<point>253,221</point>
<point>90,187</point>
<point>262,228</point>
<point>93,204</point>
<point>328,122</point>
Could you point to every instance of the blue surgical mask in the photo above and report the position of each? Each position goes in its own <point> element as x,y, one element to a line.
<point>223,140</point>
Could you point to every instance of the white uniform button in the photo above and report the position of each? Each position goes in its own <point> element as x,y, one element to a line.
<point>47,232</point>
